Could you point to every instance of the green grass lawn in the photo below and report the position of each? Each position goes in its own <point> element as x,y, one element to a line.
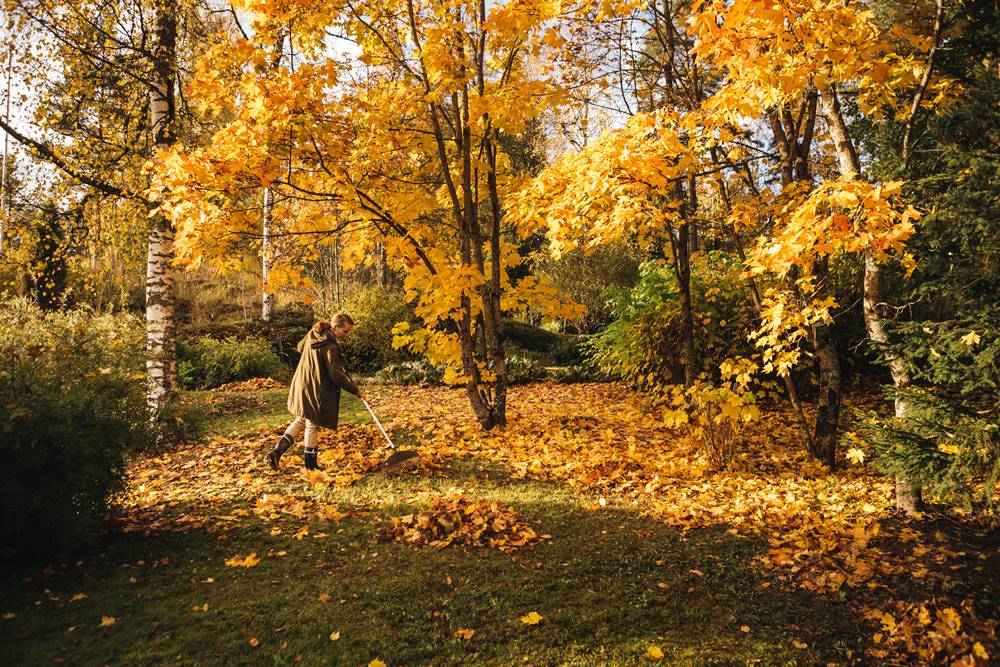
<point>609,584</point>
<point>237,413</point>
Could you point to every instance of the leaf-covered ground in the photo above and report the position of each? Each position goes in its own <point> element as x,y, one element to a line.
<point>585,533</point>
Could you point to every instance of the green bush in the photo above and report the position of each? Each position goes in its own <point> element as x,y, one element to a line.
<point>418,371</point>
<point>72,409</point>
<point>375,312</point>
<point>643,345</point>
<point>577,373</point>
<point>208,362</point>
<point>530,338</point>
<point>286,328</point>
<point>571,351</point>
<point>522,370</point>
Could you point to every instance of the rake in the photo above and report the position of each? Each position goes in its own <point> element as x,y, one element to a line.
<point>398,456</point>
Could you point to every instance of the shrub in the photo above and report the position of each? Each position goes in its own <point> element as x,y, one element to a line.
<point>590,278</point>
<point>529,337</point>
<point>570,351</point>
<point>522,370</point>
<point>72,408</point>
<point>286,328</point>
<point>643,344</point>
<point>208,362</point>
<point>375,312</point>
<point>577,373</point>
<point>419,371</point>
<point>714,411</point>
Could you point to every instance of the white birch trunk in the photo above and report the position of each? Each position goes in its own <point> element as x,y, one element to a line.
<point>908,496</point>
<point>161,332</point>
<point>266,252</point>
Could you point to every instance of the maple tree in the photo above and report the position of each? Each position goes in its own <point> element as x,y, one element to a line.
<point>798,52</point>
<point>779,64</point>
<point>403,156</point>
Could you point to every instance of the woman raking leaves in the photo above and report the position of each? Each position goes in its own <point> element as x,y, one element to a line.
<point>314,395</point>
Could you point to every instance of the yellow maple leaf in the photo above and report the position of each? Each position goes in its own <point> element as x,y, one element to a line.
<point>949,622</point>
<point>888,622</point>
<point>302,532</point>
<point>856,455</point>
<point>923,615</point>
<point>377,663</point>
<point>250,560</point>
<point>971,339</point>
<point>334,636</point>
<point>464,633</point>
<point>980,652</point>
<point>107,620</point>
<point>654,653</point>
<point>532,619</point>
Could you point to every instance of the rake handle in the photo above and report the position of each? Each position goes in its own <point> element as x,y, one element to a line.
<point>379,424</point>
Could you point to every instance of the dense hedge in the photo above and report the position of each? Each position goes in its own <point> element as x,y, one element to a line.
<point>72,409</point>
<point>287,327</point>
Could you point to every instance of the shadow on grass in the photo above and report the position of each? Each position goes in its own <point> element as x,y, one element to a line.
<point>608,584</point>
<point>228,413</point>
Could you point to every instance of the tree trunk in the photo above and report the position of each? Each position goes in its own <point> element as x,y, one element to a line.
<point>793,139</point>
<point>493,317</point>
<point>908,495</point>
<point>824,444</point>
<point>267,298</point>
<point>682,266</point>
<point>161,364</point>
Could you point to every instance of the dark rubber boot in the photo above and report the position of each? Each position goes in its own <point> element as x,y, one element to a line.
<point>310,461</point>
<point>274,456</point>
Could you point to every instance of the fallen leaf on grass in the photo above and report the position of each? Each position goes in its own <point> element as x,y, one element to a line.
<point>107,620</point>
<point>9,615</point>
<point>464,633</point>
<point>318,477</point>
<point>377,663</point>
<point>744,628</point>
<point>654,653</point>
<point>334,636</point>
<point>799,645</point>
<point>324,597</point>
<point>78,596</point>
<point>250,560</point>
<point>532,619</point>
<point>980,652</point>
<point>254,642</point>
<point>301,532</point>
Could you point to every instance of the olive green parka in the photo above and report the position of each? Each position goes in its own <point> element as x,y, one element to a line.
<point>319,377</point>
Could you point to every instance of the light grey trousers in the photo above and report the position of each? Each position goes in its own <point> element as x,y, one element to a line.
<point>311,428</point>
